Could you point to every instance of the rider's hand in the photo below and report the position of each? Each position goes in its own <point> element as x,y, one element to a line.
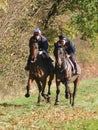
<point>40,52</point>
<point>67,55</point>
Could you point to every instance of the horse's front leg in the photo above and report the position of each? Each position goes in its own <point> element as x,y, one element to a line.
<point>75,89</point>
<point>28,87</point>
<point>57,92</point>
<point>66,90</point>
<point>68,93</point>
<point>49,93</point>
<point>43,90</point>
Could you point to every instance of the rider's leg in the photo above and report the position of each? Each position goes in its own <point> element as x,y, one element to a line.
<point>74,63</point>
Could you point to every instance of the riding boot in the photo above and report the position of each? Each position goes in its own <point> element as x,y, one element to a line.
<point>77,70</point>
<point>73,70</point>
<point>27,67</point>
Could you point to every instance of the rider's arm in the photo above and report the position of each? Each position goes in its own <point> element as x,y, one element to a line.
<point>72,49</point>
<point>55,47</point>
<point>44,44</point>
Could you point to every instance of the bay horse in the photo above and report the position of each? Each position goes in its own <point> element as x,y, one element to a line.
<point>63,71</point>
<point>38,72</point>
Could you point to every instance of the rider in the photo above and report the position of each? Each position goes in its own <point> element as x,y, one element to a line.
<point>69,47</point>
<point>43,48</point>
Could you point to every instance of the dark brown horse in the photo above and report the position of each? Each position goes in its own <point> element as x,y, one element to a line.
<point>64,75</point>
<point>39,73</point>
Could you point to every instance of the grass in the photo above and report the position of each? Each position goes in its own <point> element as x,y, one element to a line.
<point>24,113</point>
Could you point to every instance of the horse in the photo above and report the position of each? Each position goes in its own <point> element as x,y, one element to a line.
<point>63,71</point>
<point>39,72</point>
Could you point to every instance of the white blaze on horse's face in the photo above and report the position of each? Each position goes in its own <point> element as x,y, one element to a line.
<point>34,50</point>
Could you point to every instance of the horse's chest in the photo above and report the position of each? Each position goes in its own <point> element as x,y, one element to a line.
<point>60,76</point>
<point>38,73</point>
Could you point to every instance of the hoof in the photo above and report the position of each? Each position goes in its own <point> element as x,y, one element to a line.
<point>27,95</point>
<point>72,105</point>
<point>56,103</point>
<point>38,103</point>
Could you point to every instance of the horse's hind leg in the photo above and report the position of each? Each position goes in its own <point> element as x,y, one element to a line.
<point>40,89</point>
<point>39,96</point>
<point>28,87</point>
<point>49,93</point>
<point>49,85</point>
<point>57,93</point>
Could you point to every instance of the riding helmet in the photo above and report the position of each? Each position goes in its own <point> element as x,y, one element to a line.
<point>62,36</point>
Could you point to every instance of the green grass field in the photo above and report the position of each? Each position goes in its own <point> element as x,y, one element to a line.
<point>24,113</point>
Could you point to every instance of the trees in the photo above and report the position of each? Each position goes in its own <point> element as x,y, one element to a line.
<point>83,17</point>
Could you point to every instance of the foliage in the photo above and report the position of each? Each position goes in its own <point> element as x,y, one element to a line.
<point>83,18</point>
<point>3,5</point>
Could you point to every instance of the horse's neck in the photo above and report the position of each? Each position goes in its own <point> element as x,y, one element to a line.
<point>38,66</point>
<point>66,63</point>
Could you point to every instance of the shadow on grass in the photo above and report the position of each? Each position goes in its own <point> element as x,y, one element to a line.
<point>8,105</point>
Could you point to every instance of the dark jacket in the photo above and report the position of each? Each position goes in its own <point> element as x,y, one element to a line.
<point>69,47</point>
<point>42,43</point>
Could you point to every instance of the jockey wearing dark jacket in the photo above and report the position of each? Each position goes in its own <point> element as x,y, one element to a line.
<point>69,47</point>
<point>43,47</point>
<point>42,42</point>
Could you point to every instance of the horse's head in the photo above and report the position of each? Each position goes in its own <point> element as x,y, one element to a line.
<point>59,55</point>
<point>34,51</point>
